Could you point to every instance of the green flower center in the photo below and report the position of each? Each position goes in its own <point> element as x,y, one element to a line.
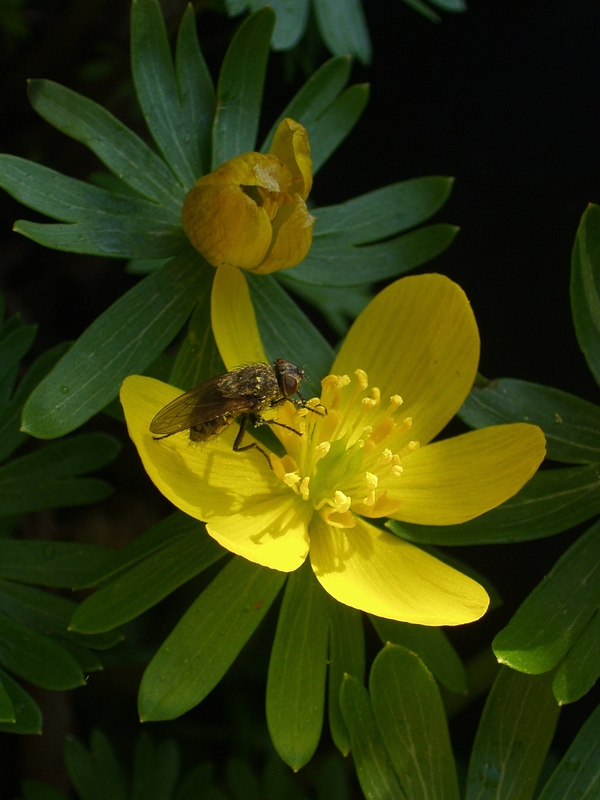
<point>343,461</point>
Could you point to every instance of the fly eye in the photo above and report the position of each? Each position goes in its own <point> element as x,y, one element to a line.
<point>289,385</point>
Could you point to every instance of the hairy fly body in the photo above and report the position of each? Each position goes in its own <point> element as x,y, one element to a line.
<point>245,392</point>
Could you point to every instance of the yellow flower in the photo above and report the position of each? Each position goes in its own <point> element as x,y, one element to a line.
<point>251,211</point>
<point>403,371</point>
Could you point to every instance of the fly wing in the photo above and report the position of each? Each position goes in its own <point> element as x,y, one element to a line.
<point>201,404</point>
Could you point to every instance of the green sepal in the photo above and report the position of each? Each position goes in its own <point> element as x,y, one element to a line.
<point>124,339</point>
<point>346,657</point>
<point>580,669</point>
<point>585,284</point>
<point>551,502</point>
<point>95,774</point>
<point>550,620</point>
<point>571,425</point>
<point>286,332</point>
<point>147,582</point>
<point>513,738</point>
<point>431,645</point>
<point>371,759</point>
<point>166,99</point>
<point>121,150</point>
<point>332,261</point>
<point>410,715</point>
<point>48,477</point>
<point>27,712</point>
<point>328,131</point>
<point>207,639</point>
<point>344,29</point>
<point>576,776</point>
<point>240,88</point>
<point>315,96</point>
<point>297,669</point>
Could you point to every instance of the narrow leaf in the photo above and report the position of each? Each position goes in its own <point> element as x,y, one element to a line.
<point>96,775</point>
<point>297,669</point>
<point>578,774</point>
<point>371,759</point>
<point>410,715</point>
<point>581,667</point>
<point>155,769</point>
<point>513,738</point>
<point>291,17</point>
<point>58,564</point>
<point>549,621</point>
<point>571,425</point>
<point>553,501</point>
<point>7,710</point>
<point>121,150</point>
<point>124,339</point>
<point>207,639</point>
<point>585,285</point>
<point>329,131</point>
<point>146,583</point>
<point>346,657</point>
<point>344,29</point>
<point>432,647</point>
<point>27,712</point>
<point>240,88</point>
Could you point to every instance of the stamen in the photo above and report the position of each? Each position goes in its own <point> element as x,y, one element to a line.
<point>304,487</point>
<point>322,449</point>
<point>363,380</point>
<point>291,479</point>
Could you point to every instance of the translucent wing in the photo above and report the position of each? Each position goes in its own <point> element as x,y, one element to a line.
<point>201,404</point>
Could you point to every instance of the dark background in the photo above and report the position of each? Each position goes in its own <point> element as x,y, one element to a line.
<point>505,98</point>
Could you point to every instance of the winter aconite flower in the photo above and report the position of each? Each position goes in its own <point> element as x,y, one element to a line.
<point>403,371</point>
<point>251,211</point>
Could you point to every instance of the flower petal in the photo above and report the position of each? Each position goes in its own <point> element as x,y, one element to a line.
<point>290,144</point>
<point>233,319</point>
<point>292,237</point>
<point>457,479</point>
<point>374,571</point>
<point>417,338</point>
<point>226,226</point>
<point>246,508</point>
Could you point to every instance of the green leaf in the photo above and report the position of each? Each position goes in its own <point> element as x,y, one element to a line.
<point>384,212</point>
<point>550,620</point>
<point>339,305</point>
<point>11,437</point>
<point>13,347</point>
<point>96,775</point>
<point>432,647</point>
<point>346,657</point>
<point>581,667</point>
<point>343,27</point>
<point>147,582</point>
<point>240,88</point>
<point>315,97</point>
<point>410,715</point>
<point>513,738</point>
<point>7,710</point>
<point>551,502</point>
<point>333,262</point>
<point>27,712</point>
<point>160,93</point>
<point>59,564</point>
<point>571,425</point>
<point>297,669</point>
<point>109,236</point>
<point>198,358</point>
<point>423,9</point>
<point>37,658</point>
<point>121,150</point>
<point>328,132</point>
<point>286,332</point>
<point>155,769</point>
<point>585,281</point>
<point>207,639</point>
<point>578,772</point>
<point>52,470</point>
<point>291,17</point>
<point>371,759</point>
<point>124,339</point>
